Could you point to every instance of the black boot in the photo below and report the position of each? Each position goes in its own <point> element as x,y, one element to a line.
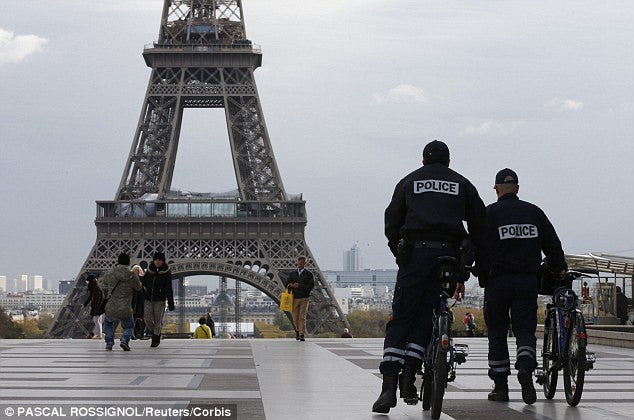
<point>387,399</point>
<point>406,384</point>
<point>155,340</point>
<point>500,392</point>
<point>525,379</point>
<point>297,335</point>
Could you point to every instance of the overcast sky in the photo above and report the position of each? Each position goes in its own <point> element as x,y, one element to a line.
<point>351,91</point>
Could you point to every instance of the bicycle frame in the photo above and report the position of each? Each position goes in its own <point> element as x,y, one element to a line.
<point>564,320</point>
<point>441,340</point>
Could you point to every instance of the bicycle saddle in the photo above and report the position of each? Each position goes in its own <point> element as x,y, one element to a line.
<point>446,259</point>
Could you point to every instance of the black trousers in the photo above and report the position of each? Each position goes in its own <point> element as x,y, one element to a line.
<point>515,293</point>
<point>416,295</point>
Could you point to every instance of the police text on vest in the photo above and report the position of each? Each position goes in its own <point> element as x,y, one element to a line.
<point>518,231</point>
<point>435,185</point>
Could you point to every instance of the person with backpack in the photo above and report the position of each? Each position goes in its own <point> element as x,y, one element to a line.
<point>119,285</point>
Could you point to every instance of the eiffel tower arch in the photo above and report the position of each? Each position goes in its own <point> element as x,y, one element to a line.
<point>203,59</point>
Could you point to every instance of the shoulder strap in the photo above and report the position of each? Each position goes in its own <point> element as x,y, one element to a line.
<point>114,288</point>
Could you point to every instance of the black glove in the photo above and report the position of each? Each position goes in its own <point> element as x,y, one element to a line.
<point>403,252</point>
<point>171,308</point>
<point>483,276</point>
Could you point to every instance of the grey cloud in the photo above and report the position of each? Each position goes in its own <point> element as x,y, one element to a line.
<point>16,48</point>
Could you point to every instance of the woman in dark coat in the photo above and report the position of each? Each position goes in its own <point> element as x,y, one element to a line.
<point>211,324</point>
<point>95,297</point>
<point>137,306</point>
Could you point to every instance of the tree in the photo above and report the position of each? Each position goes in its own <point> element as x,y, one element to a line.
<point>31,329</point>
<point>8,328</point>
<point>282,321</point>
<point>366,324</point>
<point>44,323</point>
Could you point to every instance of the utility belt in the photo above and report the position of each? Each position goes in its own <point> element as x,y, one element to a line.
<point>423,243</point>
<point>407,244</point>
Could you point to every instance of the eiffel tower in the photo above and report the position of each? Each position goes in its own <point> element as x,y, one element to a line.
<point>203,59</point>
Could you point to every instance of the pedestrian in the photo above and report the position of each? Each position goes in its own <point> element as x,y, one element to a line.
<point>518,233</point>
<point>119,285</point>
<point>211,324</point>
<point>300,282</point>
<point>621,306</point>
<point>346,333</point>
<point>95,298</point>
<point>203,331</point>
<point>138,305</point>
<point>424,221</point>
<point>585,293</point>
<point>158,289</point>
<point>470,324</point>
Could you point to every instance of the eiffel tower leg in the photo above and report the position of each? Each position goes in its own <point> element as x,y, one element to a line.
<point>253,159</point>
<point>71,320</point>
<point>150,165</point>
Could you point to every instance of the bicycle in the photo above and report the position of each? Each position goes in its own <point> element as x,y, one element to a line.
<point>441,355</point>
<point>565,343</point>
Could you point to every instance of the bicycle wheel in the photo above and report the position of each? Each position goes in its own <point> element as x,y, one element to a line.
<point>575,366</point>
<point>427,382</point>
<point>439,382</point>
<point>549,355</point>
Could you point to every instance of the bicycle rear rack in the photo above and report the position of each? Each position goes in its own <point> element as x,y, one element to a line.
<point>590,359</point>
<point>459,354</point>
<point>461,351</point>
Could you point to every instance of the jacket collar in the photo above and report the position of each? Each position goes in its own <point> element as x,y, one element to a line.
<point>509,196</point>
<point>152,269</point>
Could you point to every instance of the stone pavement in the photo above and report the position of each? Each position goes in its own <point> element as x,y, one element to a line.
<point>279,379</point>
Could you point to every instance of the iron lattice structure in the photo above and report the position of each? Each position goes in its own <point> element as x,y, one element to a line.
<point>203,59</point>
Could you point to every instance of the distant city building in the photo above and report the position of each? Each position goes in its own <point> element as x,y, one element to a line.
<point>45,302</point>
<point>352,259</point>
<point>23,283</point>
<point>343,304</point>
<point>42,302</point>
<point>37,283</point>
<point>193,301</point>
<point>12,301</point>
<point>47,284</point>
<point>352,299</point>
<point>190,290</point>
<point>377,279</point>
<point>12,286</point>
<point>261,301</point>
<point>3,284</point>
<point>65,286</point>
<point>195,290</point>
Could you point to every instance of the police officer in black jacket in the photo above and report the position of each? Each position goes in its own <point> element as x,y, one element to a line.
<point>426,217</point>
<point>518,233</point>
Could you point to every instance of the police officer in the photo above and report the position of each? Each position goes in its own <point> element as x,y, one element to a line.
<point>518,233</point>
<point>423,222</point>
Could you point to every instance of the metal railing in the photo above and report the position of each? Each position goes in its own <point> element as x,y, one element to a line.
<point>233,47</point>
<point>217,209</point>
